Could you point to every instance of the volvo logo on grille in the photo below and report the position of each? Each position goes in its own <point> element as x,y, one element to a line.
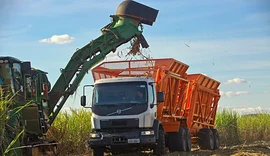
<point>118,111</point>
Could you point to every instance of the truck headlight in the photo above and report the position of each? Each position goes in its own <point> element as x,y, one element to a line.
<point>147,132</point>
<point>95,135</point>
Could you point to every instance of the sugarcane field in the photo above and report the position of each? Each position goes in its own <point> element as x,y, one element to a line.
<point>134,78</point>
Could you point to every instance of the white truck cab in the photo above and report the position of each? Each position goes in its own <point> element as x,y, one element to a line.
<point>124,111</point>
<point>124,98</point>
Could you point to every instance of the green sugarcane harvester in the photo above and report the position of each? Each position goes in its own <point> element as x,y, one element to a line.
<point>31,85</point>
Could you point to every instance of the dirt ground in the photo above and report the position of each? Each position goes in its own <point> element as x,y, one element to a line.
<point>261,148</point>
<point>258,148</point>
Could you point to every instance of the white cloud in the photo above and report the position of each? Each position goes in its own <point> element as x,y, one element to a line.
<point>247,110</point>
<point>251,110</point>
<point>58,39</point>
<point>236,81</point>
<point>230,94</point>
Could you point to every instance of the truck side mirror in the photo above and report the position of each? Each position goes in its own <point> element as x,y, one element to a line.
<point>83,100</point>
<point>160,97</point>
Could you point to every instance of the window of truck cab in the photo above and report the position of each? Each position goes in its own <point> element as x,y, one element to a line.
<point>120,93</point>
<point>151,94</point>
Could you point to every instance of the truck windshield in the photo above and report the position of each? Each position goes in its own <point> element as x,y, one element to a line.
<point>120,93</point>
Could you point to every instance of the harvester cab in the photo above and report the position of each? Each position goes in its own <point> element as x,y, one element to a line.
<point>11,78</point>
<point>17,77</point>
<point>28,89</point>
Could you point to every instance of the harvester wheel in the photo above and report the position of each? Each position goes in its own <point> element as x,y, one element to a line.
<point>188,137</point>
<point>98,151</point>
<point>206,139</point>
<point>160,147</point>
<point>216,139</point>
<point>178,141</point>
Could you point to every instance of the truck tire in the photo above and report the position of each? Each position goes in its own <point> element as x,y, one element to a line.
<point>188,137</point>
<point>206,139</point>
<point>98,151</point>
<point>216,139</point>
<point>178,140</point>
<point>160,147</point>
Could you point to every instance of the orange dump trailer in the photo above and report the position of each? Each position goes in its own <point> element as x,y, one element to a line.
<point>202,96</point>
<point>190,100</point>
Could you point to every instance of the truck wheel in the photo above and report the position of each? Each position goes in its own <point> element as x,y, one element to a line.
<point>206,139</point>
<point>216,139</point>
<point>188,137</point>
<point>177,141</point>
<point>182,140</point>
<point>160,147</point>
<point>171,141</point>
<point>98,151</point>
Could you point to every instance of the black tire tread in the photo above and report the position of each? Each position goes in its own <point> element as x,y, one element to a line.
<point>206,139</point>
<point>177,140</point>
<point>160,147</point>
<point>98,151</point>
<point>188,138</point>
<point>216,139</point>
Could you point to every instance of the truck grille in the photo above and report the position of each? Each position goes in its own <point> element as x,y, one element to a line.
<point>119,140</point>
<point>119,123</point>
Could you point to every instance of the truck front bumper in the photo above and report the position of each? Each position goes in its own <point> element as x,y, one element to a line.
<point>132,137</point>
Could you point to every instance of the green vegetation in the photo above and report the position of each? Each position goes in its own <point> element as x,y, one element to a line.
<point>10,128</point>
<point>254,127</point>
<point>227,125</point>
<point>4,104</point>
<point>235,128</point>
<point>71,130</point>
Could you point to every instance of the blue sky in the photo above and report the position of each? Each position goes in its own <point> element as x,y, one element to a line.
<point>227,40</point>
